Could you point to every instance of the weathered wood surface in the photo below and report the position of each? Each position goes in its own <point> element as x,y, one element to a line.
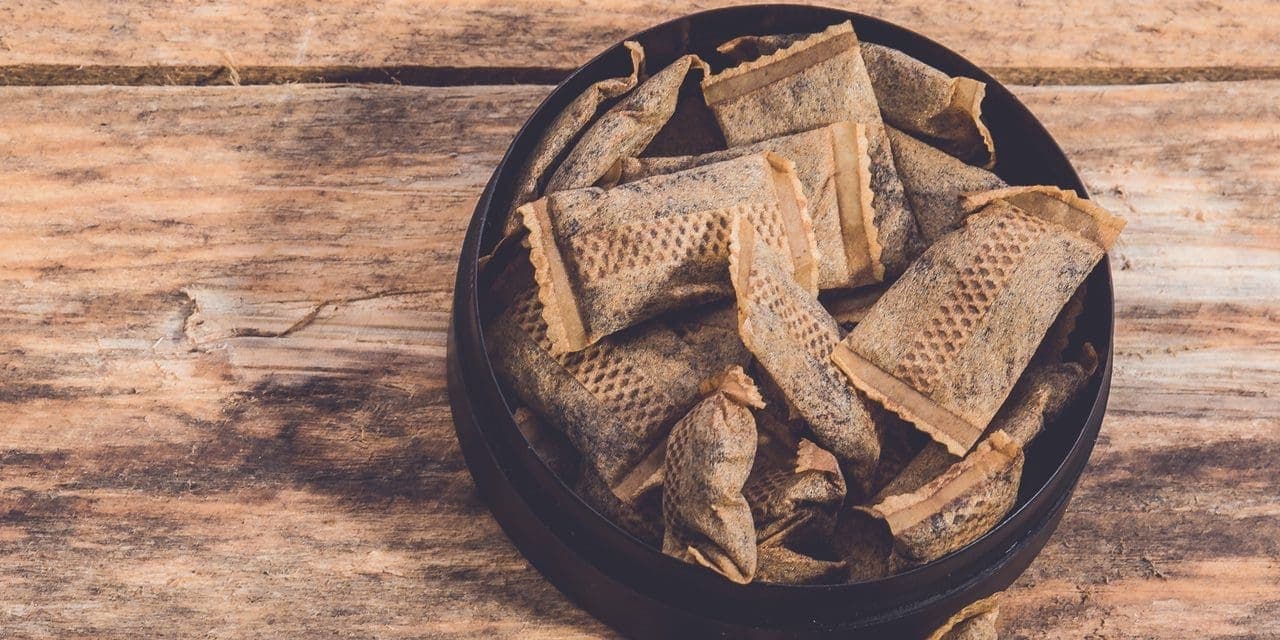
<point>157,42</point>
<point>222,317</point>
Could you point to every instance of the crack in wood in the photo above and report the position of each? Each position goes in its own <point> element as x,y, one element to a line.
<point>433,76</point>
<point>310,317</point>
<point>194,314</point>
<point>226,75</point>
<point>1067,76</point>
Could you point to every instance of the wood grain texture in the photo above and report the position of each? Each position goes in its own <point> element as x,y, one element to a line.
<point>223,349</point>
<point>222,320</point>
<point>1175,529</point>
<point>155,42</point>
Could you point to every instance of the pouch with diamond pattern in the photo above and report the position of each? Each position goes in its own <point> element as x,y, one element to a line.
<point>608,259</point>
<point>814,82</point>
<point>956,508</point>
<point>945,344</point>
<point>615,400</point>
<point>708,457</point>
<point>944,110</point>
<point>834,170</point>
<point>791,335</point>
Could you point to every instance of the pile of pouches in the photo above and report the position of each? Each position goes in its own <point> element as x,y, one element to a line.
<point>812,348</point>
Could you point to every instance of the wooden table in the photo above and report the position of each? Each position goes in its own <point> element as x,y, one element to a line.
<point>223,310</point>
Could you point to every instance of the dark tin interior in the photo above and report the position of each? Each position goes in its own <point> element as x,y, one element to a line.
<point>634,587</point>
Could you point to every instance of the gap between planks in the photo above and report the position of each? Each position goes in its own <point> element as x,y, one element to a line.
<point>433,76</point>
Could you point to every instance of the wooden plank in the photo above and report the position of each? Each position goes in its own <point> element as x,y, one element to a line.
<point>154,42</point>
<point>222,336</point>
<point>170,468</point>
<point>1173,531</point>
